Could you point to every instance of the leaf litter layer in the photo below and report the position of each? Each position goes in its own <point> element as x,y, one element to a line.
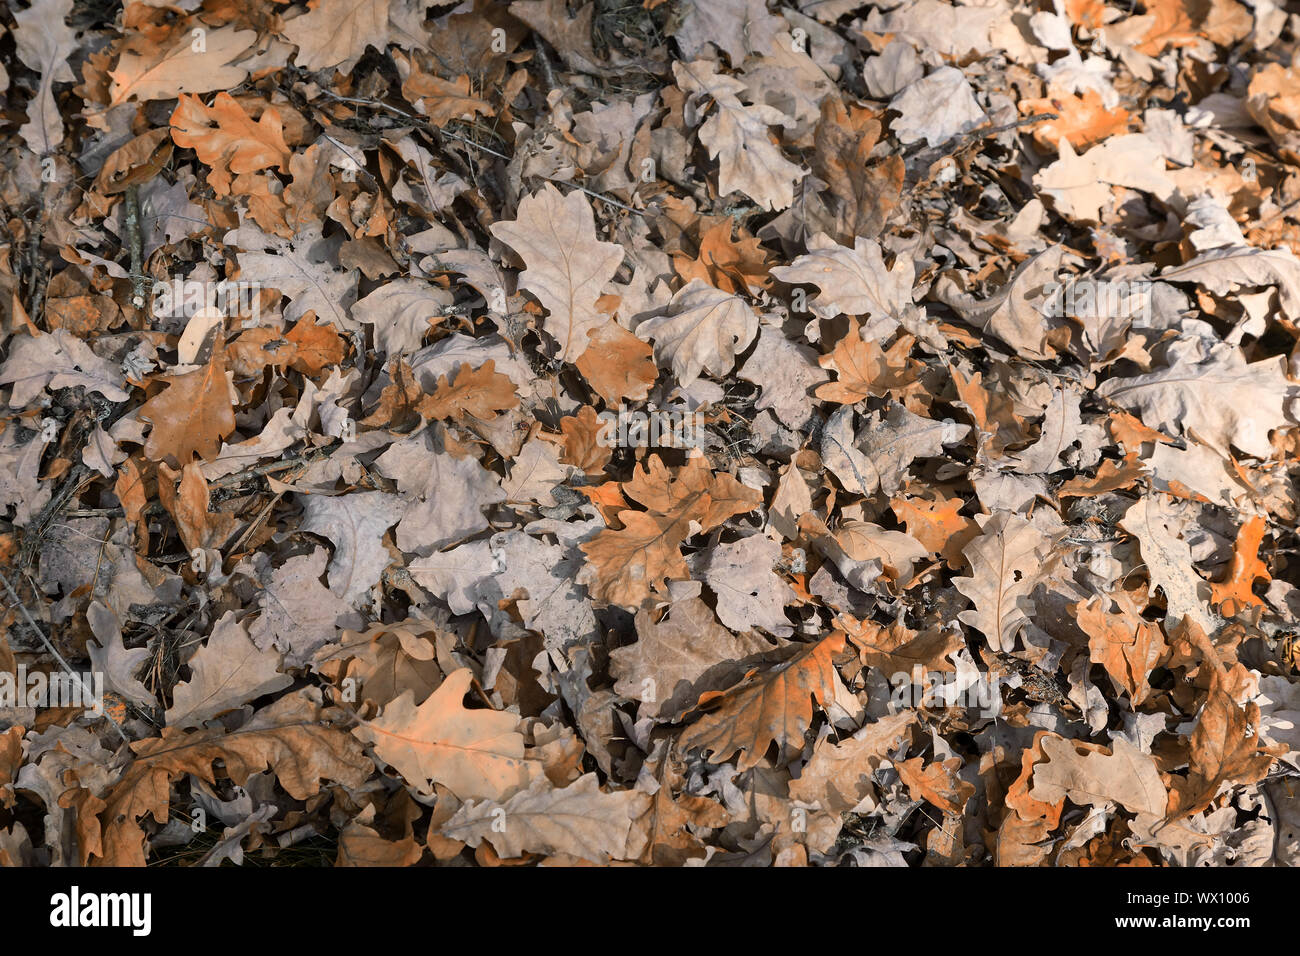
<point>663,433</point>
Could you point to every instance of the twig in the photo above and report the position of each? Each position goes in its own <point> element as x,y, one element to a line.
<point>135,240</point>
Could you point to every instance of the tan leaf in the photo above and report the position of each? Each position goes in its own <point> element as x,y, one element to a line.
<point>567,266</point>
<point>775,708</point>
<point>1090,775</point>
<point>166,72</point>
<point>473,753</point>
<point>579,820</point>
<point>1007,560</point>
<point>227,672</point>
<point>192,414</point>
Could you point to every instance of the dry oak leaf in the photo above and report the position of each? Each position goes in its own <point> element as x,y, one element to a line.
<point>736,27</point>
<point>936,108</point>
<point>1008,561</point>
<point>298,614</point>
<point>474,392</point>
<point>292,267</point>
<point>1061,427</point>
<point>866,196</point>
<point>1089,775</point>
<point>733,266</point>
<point>476,754</point>
<point>704,330</point>
<point>838,776</point>
<point>1172,23</point>
<point>1168,557</point>
<point>38,363</point>
<point>936,783</point>
<point>1080,185</point>
<point>938,526</point>
<point>567,266</point>
<point>674,816</point>
<point>1234,594</point>
<point>360,845</point>
<point>992,411</point>
<point>864,370</point>
<point>226,673</point>
<point>335,33</point>
<point>188,503</point>
<point>355,523</point>
<point>736,135</point>
<point>226,138</point>
<point>1224,271</point>
<point>1123,642</point>
<point>617,364</point>
<point>585,446</point>
<point>896,551</point>
<point>45,43</point>
<point>443,100</point>
<point>880,455</point>
<point>1225,749</point>
<point>288,736</point>
<point>626,565</point>
<point>315,346</point>
<point>402,313</point>
<point>749,592</point>
<point>896,650</point>
<point>852,281</point>
<point>1083,118</point>
<point>775,708</point>
<point>671,655</point>
<point>1212,395</point>
<point>192,415</point>
<point>579,820</point>
<point>1016,312</point>
<point>185,66</point>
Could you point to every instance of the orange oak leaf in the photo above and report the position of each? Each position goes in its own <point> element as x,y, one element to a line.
<point>936,783</point>
<point>476,392</point>
<point>1123,642</point>
<point>192,415</point>
<point>865,370</point>
<point>617,364</point>
<point>938,526</point>
<point>226,138</point>
<point>1233,594</point>
<point>777,708</point>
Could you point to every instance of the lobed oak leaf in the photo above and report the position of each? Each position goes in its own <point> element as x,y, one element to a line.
<point>225,673</point>
<point>1123,642</point>
<point>192,414</point>
<point>476,754</point>
<point>1090,775</point>
<point>226,138</point>
<point>476,392</point>
<point>617,364</point>
<point>567,266</point>
<point>1008,561</point>
<point>579,820</point>
<point>184,66</point>
<point>288,737</point>
<point>736,135</point>
<point>776,708</point>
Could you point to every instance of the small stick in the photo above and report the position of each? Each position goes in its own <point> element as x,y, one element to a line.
<point>136,241</point>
